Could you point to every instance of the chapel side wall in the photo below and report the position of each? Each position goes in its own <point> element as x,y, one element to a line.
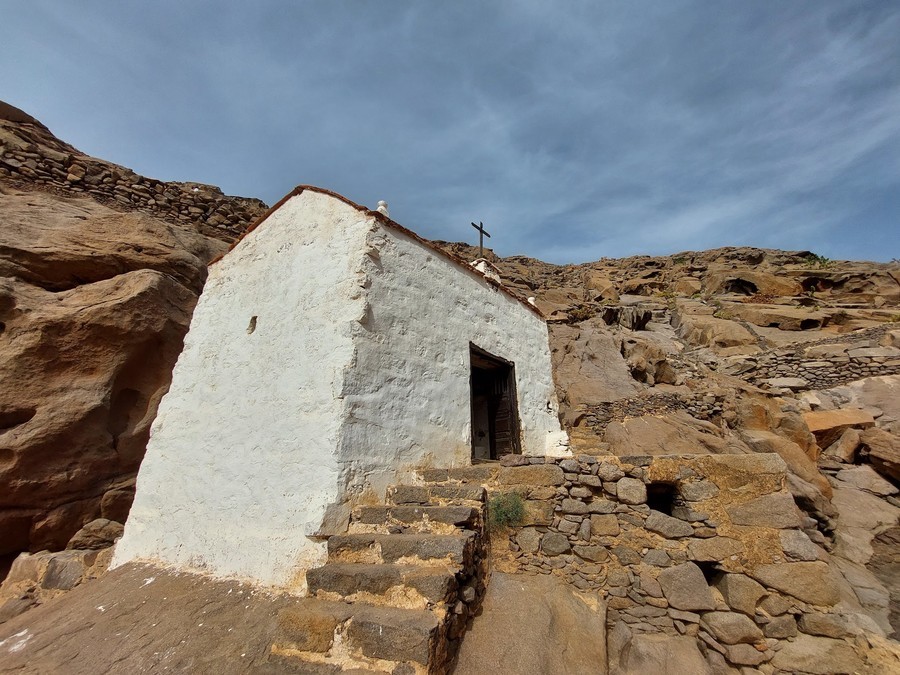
<point>241,463</point>
<point>410,394</point>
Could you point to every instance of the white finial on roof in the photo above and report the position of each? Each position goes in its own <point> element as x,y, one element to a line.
<point>383,208</point>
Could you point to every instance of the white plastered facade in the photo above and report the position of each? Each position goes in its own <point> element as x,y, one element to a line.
<point>327,358</point>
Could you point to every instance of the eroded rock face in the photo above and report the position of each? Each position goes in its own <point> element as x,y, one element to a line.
<point>94,305</point>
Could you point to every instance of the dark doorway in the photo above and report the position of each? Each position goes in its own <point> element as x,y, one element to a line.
<point>495,416</point>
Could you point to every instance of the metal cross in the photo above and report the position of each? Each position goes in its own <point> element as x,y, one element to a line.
<point>482,233</point>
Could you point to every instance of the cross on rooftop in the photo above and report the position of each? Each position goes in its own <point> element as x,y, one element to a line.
<point>482,233</point>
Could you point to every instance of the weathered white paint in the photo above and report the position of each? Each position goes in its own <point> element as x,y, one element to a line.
<point>354,371</point>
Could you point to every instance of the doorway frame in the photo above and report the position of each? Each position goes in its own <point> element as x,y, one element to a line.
<point>512,393</point>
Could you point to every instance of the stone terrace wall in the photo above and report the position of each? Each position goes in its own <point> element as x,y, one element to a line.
<point>730,566</point>
<point>30,154</point>
<point>826,363</point>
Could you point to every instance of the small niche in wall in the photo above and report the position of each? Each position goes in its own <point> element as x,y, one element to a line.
<point>711,571</point>
<point>252,326</point>
<point>662,497</point>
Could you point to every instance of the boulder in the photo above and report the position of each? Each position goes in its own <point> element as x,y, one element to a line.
<point>667,526</point>
<point>740,592</point>
<point>685,587</point>
<point>810,582</point>
<point>863,510</point>
<point>731,627</point>
<point>599,287</point>
<point>793,455</point>
<point>749,282</point>
<point>773,510</point>
<point>660,655</point>
<point>883,450</point>
<point>535,625</point>
<point>99,533</point>
<point>94,305</point>
<point>588,367</point>
<point>828,425</point>
<point>844,448</point>
<point>675,433</point>
<point>817,655</point>
<point>718,334</point>
<point>632,491</point>
<point>865,478</point>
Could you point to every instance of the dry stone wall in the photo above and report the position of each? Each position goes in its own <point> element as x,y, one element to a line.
<point>823,364</point>
<point>708,547</point>
<point>30,154</point>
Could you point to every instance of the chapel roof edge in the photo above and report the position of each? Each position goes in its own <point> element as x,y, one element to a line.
<point>384,220</point>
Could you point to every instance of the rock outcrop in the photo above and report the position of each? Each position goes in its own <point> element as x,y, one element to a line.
<point>100,270</point>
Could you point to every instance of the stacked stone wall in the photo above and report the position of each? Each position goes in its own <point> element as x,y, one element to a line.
<point>702,406</point>
<point>710,547</point>
<point>31,156</point>
<point>823,364</point>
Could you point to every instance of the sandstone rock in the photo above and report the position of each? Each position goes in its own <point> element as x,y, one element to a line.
<point>744,655</point>
<point>535,625</point>
<point>667,526</point>
<point>708,331</point>
<point>631,491</point>
<point>99,533</point>
<point>532,474</point>
<point>588,366</point>
<point>714,548</point>
<point>863,510</point>
<point>95,304</point>
<point>687,286</point>
<point>674,434</point>
<point>731,627</point>
<point>793,455</point>
<point>778,316</point>
<point>685,587</point>
<point>599,287</point>
<point>825,625</point>
<point>844,448</point>
<point>781,627</point>
<point>749,282</point>
<point>773,510</point>
<point>864,478</point>
<point>817,655</point>
<point>883,450</point>
<point>828,425</point>
<point>662,655</point>
<point>740,592</point>
<point>810,582</point>
<point>792,383</point>
<point>797,546</point>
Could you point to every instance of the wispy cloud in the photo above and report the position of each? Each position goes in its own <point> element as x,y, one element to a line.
<point>573,131</point>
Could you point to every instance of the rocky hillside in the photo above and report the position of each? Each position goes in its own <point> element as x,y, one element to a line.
<point>100,269</point>
<point>733,351</point>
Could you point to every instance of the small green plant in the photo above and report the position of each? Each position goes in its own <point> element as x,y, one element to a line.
<point>679,260</point>
<point>723,314</point>
<point>895,318</point>
<point>816,261</point>
<point>506,510</point>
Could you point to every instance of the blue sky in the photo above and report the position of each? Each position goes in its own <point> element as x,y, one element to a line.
<point>574,130</point>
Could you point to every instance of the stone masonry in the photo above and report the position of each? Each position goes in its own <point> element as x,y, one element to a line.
<point>708,547</point>
<point>32,156</point>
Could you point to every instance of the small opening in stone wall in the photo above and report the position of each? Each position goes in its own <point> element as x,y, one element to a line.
<point>661,497</point>
<point>710,570</point>
<point>252,326</point>
<point>809,324</point>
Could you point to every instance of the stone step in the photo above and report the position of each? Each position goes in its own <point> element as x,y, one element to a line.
<point>460,516</point>
<point>306,635</point>
<point>480,473</point>
<point>426,494</point>
<point>455,549</point>
<point>411,586</point>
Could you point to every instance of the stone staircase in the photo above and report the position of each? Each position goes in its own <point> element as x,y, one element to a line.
<point>398,588</point>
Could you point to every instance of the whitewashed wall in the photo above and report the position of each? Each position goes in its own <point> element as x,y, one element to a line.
<point>241,462</point>
<point>409,395</point>
<point>356,372</point>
